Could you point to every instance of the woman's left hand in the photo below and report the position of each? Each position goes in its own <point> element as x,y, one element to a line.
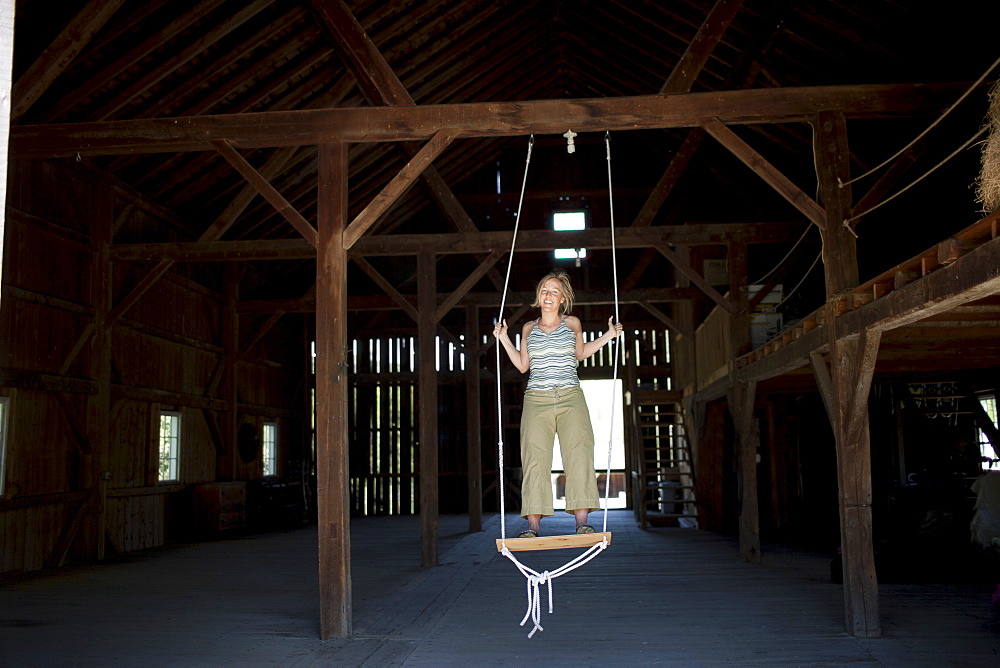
<point>614,329</point>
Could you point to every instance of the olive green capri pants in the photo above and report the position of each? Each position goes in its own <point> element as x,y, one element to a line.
<point>546,413</point>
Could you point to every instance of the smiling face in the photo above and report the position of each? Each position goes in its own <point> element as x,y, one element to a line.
<point>550,296</point>
<point>556,291</point>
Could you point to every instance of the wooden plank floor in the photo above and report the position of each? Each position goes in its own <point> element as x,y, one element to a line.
<point>663,596</point>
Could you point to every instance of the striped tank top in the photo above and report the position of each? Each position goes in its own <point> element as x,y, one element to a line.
<point>552,358</point>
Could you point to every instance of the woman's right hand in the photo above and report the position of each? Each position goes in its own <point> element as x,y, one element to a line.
<point>500,329</point>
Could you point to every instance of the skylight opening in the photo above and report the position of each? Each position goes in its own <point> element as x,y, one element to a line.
<point>569,221</point>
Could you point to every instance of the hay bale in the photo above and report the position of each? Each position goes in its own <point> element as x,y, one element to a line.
<point>988,184</point>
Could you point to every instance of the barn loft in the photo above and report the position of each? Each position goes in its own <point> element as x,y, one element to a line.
<point>254,249</point>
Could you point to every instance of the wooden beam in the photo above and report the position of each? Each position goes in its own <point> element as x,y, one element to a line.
<point>377,80</point>
<point>832,158</point>
<point>428,408</point>
<point>667,320</point>
<point>452,243</point>
<point>267,191</point>
<point>482,119</point>
<point>332,474</point>
<point>98,423</point>
<point>396,188</point>
<point>680,80</point>
<point>108,72</point>
<point>824,383</point>
<point>765,170</point>
<point>701,47</point>
<point>190,49</point>
<point>453,210</point>
<point>597,238</point>
<point>973,276</point>
<point>678,164</point>
<point>63,51</point>
<point>228,424</point>
<point>77,348</point>
<point>395,300</point>
<point>381,86</point>
<point>852,365</point>
<point>695,277</point>
<point>153,395</point>
<point>48,382</point>
<point>213,251</point>
<point>741,406</point>
<point>68,535</point>
<point>80,437</point>
<point>467,285</point>
<point>218,227</point>
<point>473,412</point>
<point>856,411</point>
<point>387,287</point>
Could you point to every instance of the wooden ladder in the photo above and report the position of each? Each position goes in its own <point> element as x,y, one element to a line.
<point>663,473</point>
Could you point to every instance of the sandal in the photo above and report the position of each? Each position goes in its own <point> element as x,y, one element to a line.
<point>528,533</point>
<point>584,528</point>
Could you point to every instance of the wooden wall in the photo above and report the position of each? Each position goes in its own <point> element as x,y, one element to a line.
<point>168,352</point>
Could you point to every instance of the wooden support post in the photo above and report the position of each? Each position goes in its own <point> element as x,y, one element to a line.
<point>741,404</point>
<point>427,391</point>
<point>840,259</point>
<point>225,466</point>
<point>852,363</point>
<point>332,488</point>
<point>473,390</point>
<point>99,404</point>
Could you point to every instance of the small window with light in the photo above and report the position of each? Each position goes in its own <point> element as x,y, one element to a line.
<point>169,448</point>
<point>567,221</point>
<point>269,447</point>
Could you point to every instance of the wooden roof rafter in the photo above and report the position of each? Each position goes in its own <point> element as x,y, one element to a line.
<point>56,58</point>
<point>141,87</point>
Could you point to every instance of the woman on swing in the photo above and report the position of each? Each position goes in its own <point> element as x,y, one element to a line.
<point>554,404</point>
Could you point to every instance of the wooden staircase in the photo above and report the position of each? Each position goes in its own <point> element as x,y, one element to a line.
<point>663,478</point>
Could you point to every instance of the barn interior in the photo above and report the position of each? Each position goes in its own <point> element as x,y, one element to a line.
<point>253,252</point>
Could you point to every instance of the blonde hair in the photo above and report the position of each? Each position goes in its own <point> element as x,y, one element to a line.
<point>564,286</point>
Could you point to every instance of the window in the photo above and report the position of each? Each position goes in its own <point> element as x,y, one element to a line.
<point>169,446</point>
<point>269,447</point>
<point>564,221</point>
<point>990,459</point>
<point>4,420</point>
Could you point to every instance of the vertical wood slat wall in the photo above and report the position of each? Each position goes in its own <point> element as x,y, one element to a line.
<point>383,417</point>
<point>164,353</point>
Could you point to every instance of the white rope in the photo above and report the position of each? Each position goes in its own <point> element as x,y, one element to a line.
<point>848,221</point>
<point>533,578</point>
<point>843,184</point>
<point>503,301</point>
<point>801,281</point>
<point>618,339</point>
<point>787,255</point>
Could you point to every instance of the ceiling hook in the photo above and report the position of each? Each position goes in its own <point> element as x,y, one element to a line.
<point>570,146</point>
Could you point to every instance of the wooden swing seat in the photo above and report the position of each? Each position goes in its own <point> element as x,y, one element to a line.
<point>553,542</point>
